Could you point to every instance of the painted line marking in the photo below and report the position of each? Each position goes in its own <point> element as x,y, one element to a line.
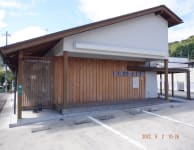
<point>168,118</point>
<point>137,144</point>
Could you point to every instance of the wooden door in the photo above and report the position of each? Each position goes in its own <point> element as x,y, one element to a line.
<point>37,82</point>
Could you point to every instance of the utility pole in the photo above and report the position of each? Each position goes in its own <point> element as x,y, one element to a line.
<point>188,55</point>
<point>6,43</point>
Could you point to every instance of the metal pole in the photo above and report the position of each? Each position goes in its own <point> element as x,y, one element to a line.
<point>188,53</point>
<point>166,78</point>
<point>6,34</point>
<point>160,84</point>
<point>188,85</point>
<point>15,88</point>
<point>6,43</point>
<point>5,77</point>
<point>172,82</point>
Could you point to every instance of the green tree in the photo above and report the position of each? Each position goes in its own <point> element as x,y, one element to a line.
<point>182,48</point>
<point>9,77</point>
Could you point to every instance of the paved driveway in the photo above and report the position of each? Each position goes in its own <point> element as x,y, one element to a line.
<point>167,126</point>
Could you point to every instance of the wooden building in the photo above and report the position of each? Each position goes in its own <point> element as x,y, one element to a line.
<point>90,64</point>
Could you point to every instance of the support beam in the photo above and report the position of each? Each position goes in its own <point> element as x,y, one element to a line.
<point>160,84</point>
<point>19,101</point>
<point>172,82</point>
<point>65,78</point>
<point>188,85</point>
<point>166,78</point>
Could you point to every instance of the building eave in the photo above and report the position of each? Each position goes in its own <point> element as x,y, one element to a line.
<point>40,45</point>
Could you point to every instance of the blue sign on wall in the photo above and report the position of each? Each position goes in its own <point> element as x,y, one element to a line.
<point>128,74</point>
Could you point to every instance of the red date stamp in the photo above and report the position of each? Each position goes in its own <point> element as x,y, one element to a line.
<point>171,136</point>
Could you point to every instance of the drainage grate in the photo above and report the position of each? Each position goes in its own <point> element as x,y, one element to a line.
<point>80,122</point>
<point>174,106</point>
<point>104,117</point>
<point>40,129</point>
<point>135,112</point>
<point>152,109</point>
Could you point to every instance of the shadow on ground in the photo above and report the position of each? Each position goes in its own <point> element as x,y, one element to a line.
<point>112,116</point>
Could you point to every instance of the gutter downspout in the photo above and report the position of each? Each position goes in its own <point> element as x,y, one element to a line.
<point>15,89</point>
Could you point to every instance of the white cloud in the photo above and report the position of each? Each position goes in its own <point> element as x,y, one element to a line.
<point>2,16</point>
<point>19,4</point>
<point>182,31</point>
<point>27,33</point>
<point>16,8</point>
<point>180,34</point>
<point>102,9</point>
<point>24,34</point>
<point>10,4</point>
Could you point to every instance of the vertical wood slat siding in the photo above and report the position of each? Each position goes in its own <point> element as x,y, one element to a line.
<point>58,80</point>
<point>92,80</point>
<point>37,77</point>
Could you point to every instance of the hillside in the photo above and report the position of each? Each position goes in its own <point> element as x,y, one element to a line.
<point>184,48</point>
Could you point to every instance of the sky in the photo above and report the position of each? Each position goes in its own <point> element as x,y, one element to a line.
<point>25,19</point>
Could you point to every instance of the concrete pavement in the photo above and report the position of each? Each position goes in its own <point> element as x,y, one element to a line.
<point>6,115</point>
<point>155,127</point>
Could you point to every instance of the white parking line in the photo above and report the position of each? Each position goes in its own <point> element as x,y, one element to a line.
<point>137,144</point>
<point>168,118</point>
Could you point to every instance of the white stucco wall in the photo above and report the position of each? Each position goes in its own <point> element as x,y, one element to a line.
<point>151,85</point>
<point>149,32</point>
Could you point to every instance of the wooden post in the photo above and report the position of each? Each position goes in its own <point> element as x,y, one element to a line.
<point>166,78</point>
<point>188,85</point>
<point>65,78</point>
<point>172,79</point>
<point>160,84</point>
<point>19,88</point>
